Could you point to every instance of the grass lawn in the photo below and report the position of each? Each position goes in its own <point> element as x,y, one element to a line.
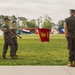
<point>32,51</point>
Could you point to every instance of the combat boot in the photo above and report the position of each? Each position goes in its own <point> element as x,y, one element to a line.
<point>74,64</point>
<point>16,55</point>
<point>4,57</point>
<point>13,57</point>
<point>70,64</point>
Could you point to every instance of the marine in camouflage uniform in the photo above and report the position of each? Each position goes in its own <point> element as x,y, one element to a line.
<point>7,40</point>
<point>70,36</point>
<point>14,39</point>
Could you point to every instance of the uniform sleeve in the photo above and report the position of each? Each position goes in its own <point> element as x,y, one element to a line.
<point>4,28</point>
<point>66,21</point>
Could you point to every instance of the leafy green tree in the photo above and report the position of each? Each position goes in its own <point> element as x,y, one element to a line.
<point>31,24</point>
<point>13,18</point>
<point>47,18</point>
<point>25,23</point>
<point>60,24</point>
<point>47,24</point>
<point>1,20</point>
<point>39,21</point>
<point>0,25</point>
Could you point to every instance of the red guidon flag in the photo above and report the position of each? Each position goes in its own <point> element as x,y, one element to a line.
<point>44,34</point>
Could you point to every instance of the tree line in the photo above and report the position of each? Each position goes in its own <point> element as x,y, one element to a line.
<point>41,22</point>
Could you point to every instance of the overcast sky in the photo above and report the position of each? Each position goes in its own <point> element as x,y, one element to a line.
<point>33,9</point>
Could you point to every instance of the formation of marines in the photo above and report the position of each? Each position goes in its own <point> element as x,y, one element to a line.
<point>10,39</point>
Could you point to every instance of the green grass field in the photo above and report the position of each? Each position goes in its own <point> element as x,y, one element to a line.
<point>33,52</point>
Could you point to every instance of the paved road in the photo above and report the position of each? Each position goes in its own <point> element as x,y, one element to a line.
<point>37,70</point>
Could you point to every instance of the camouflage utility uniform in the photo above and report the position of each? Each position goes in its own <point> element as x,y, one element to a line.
<point>70,22</point>
<point>14,39</point>
<point>7,42</point>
